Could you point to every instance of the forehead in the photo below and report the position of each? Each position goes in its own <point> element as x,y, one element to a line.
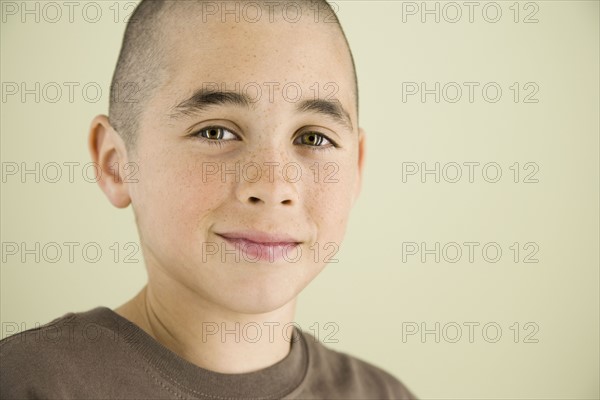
<point>274,54</point>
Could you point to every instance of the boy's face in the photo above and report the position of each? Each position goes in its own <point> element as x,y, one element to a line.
<point>183,202</point>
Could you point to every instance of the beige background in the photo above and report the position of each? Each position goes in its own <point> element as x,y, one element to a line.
<point>371,294</point>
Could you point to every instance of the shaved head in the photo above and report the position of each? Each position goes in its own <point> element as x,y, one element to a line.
<point>149,47</point>
<point>224,90</point>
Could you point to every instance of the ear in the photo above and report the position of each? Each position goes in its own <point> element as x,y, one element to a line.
<point>109,154</point>
<point>361,162</point>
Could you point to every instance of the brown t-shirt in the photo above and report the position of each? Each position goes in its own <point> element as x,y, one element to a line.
<point>98,354</point>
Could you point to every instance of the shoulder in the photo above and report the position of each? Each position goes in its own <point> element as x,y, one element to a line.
<point>39,356</point>
<point>336,374</point>
<point>67,333</point>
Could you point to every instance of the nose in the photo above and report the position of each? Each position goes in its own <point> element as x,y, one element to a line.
<point>269,183</point>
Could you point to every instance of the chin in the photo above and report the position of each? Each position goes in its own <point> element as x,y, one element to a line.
<point>257,296</point>
<point>249,288</point>
<point>250,302</point>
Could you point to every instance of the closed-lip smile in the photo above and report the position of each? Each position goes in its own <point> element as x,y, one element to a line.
<point>261,246</point>
<point>263,238</point>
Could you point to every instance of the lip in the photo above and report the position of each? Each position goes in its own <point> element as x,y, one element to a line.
<point>262,238</point>
<point>261,246</point>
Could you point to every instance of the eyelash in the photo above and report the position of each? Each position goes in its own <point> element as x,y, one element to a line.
<point>219,143</point>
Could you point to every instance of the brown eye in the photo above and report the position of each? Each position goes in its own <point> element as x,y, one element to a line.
<point>312,139</point>
<point>216,133</point>
<point>315,139</point>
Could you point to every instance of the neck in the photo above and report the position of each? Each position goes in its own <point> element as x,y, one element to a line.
<point>208,336</point>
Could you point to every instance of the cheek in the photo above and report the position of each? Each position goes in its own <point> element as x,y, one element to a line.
<point>173,198</point>
<point>329,200</point>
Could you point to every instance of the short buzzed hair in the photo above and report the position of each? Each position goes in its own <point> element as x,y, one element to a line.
<point>140,66</point>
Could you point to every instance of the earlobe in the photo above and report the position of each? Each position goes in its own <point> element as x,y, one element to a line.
<point>109,155</point>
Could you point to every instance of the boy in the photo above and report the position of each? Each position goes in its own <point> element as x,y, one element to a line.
<point>236,211</point>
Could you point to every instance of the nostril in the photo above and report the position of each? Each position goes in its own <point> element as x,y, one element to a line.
<point>254,200</point>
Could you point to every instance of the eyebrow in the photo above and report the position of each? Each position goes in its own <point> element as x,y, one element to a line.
<point>328,107</point>
<point>203,98</point>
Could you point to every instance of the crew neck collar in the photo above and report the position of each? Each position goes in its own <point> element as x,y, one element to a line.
<point>274,381</point>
